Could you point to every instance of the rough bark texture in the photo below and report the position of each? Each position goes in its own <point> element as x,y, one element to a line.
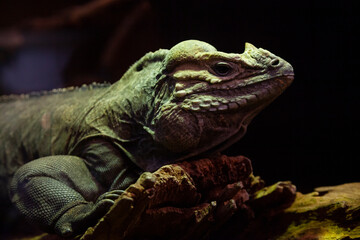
<point>219,198</point>
<point>178,201</point>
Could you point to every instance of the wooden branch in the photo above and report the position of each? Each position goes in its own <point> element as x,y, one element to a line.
<point>219,198</point>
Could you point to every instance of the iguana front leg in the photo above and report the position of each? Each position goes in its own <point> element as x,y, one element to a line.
<point>60,194</point>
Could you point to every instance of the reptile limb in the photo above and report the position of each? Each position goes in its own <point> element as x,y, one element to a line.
<point>61,185</point>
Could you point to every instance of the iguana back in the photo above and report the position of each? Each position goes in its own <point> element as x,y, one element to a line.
<point>41,124</point>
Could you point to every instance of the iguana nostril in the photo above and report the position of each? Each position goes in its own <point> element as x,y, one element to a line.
<point>275,62</point>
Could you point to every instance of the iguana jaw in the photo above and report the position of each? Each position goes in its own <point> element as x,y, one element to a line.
<point>225,98</point>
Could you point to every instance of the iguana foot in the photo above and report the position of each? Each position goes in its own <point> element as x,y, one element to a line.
<point>84,214</point>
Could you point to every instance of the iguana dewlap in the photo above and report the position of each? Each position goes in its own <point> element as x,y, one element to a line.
<point>65,155</point>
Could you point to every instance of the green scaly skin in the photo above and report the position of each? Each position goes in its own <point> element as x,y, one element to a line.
<point>66,155</point>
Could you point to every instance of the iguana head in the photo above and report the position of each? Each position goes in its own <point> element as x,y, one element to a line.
<point>192,99</point>
<point>205,98</point>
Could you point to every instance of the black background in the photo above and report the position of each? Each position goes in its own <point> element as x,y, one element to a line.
<point>309,135</point>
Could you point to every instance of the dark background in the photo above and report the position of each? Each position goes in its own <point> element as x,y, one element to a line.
<point>309,135</point>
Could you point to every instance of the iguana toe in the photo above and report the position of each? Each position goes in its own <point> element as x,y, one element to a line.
<point>66,230</point>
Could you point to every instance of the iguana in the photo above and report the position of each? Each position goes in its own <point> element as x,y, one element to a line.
<point>66,155</point>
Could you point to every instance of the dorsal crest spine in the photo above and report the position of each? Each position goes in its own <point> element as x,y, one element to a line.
<point>84,87</point>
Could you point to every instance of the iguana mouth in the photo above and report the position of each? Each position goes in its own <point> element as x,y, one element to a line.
<point>224,99</point>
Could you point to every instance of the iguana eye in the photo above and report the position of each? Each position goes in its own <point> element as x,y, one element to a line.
<point>222,68</point>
